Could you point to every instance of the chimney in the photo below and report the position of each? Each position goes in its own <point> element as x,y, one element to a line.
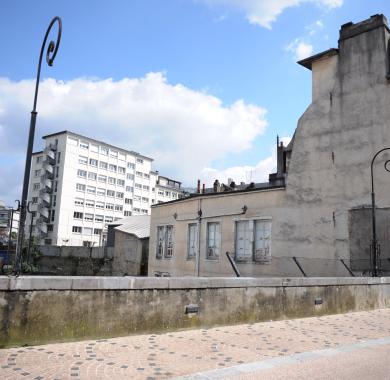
<point>198,187</point>
<point>216,186</point>
<point>203,189</point>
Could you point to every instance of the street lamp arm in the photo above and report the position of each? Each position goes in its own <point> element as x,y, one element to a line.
<point>51,53</point>
<point>374,245</point>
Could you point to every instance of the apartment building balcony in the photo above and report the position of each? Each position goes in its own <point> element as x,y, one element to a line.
<point>43,212</point>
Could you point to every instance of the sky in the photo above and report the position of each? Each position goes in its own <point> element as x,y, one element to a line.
<point>202,86</point>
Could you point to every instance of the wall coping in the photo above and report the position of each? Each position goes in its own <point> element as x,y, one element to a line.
<point>25,283</point>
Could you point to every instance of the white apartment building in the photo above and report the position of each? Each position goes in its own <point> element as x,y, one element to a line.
<point>78,185</point>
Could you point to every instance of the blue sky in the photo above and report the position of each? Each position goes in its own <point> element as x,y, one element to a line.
<point>225,80</point>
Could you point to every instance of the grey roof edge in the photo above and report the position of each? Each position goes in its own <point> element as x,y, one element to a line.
<point>98,141</point>
<point>307,62</point>
<point>223,193</point>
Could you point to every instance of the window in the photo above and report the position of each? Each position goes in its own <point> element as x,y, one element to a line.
<point>97,231</point>
<point>103,165</point>
<point>160,193</point>
<point>108,219</point>
<point>153,189</point>
<point>121,156</point>
<point>174,195</point>
<point>130,165</point>
<point>118,208</point>
<point>36,186</point>
<point>88,217</point>
<point>111,180</point>
<point>130,176</point>
<point>54,200</point>
<point>104,151</point>
<point>57,171</point>
<point>153,201</point>
<point>213,240</point>
<point>55,186</point>
<point>168,241</point>
<point>145,187</point>
<point>146,175</point>
<point>77,215</point>
<point>138,186</point>
<point>37,173</point>
<point>101,191</point>
<point>192,240</point>
<point>244,240</point>
<point>93,162</point>
<point>109,206</point>
<point>49,228</point>
<point>94,148</point>
<point>144,211</point>
<point>120,195</point>
<point>110,193</point>
<point>84,145</point>
<point>102,178</point>
<point>83,160</point>
<point>129,189</point>
<point>137,209</point>
<point>128,201</point>
<point>113,153</point>
<point>87,231</point>
<point>34,199</point>
<point>100,205</point>
<point>81,173</point>
<point>140,161</point>
<point>58,157</point>
<point>89,203</point>
<point>138,174</point>
<point>167,193</point>
<point>80,187</point>
<point>262,252</point>
<point>99,218</point>
<point>145,200</point>
<point>121,170</point>
<point>33,214</point>
<point>112,167</point>
<point>120,182</point>
<point>160,242</point>
<point>91,190</point>
<point>92,176</point>
<point>127,213</point>
<point>38,159</point>
<point>79,202</point>
<point>137,198</point>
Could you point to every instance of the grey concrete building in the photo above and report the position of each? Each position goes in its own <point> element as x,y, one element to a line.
<point>128,240</point>
<point>312,215</point>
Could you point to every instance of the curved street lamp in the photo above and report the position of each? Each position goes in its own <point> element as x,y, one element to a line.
<point>50,56</point>
<point>375,248</point>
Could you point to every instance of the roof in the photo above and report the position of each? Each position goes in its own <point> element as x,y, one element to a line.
<point>98,141</point>
<point>138,225</point>
<point>307,62</point>
<point>260,187</point>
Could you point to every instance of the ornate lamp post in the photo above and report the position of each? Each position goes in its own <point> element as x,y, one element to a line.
<point>375,248</point>
<point>50,56</point>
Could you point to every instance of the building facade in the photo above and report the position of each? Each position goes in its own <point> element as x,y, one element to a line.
<point>311,218</point>
<point>78,185</point>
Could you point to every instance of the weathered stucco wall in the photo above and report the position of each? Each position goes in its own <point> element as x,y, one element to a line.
<point>35,310</point>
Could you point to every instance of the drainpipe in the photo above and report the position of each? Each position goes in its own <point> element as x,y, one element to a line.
<point>199,237</point>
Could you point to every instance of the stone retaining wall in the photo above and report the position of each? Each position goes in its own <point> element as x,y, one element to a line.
<point>40,309</point>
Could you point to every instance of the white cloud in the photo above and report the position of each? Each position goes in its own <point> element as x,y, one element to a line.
<point>315,27</point>
<point>246,173</point>
<point>182,129</point>
<point>300,49</point>
<point>265,12</point>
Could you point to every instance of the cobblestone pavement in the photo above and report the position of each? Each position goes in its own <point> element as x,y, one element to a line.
<point>187,352</point>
